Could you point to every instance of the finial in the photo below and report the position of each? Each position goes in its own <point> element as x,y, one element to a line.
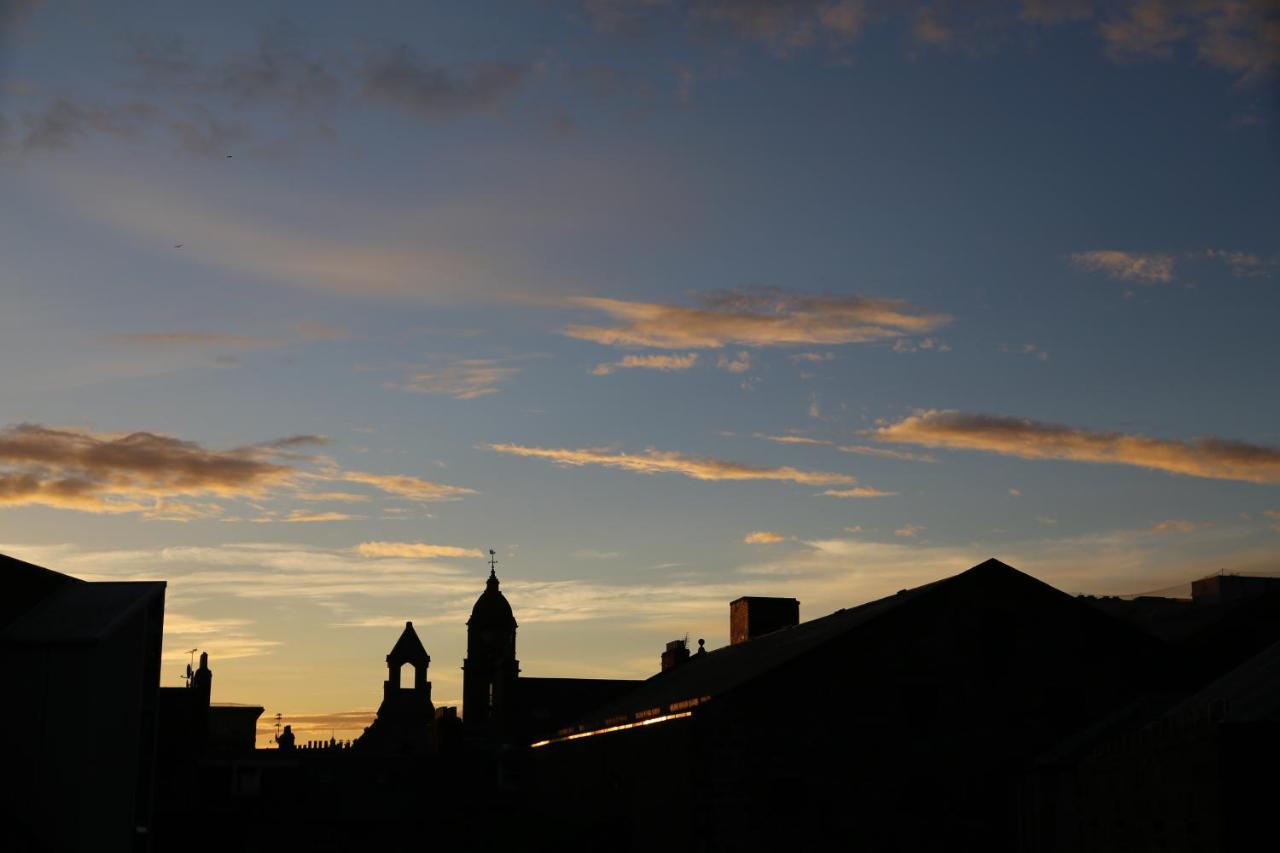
<point>493,562</point>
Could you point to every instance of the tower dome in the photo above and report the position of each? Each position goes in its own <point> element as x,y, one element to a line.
<point>491,609</point>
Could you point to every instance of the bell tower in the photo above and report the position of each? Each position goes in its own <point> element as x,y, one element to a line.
<point>490,670</point>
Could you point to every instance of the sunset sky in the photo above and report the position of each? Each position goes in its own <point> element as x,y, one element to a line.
<point>305,308</point>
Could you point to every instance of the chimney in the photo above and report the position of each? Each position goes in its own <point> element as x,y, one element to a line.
<point>752,616</point>
<point>677,653</point>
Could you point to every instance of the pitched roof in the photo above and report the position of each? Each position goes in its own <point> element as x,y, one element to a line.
<point>81,612</point>
<point>24,584</point>
<point>408,649</point>
<point>707,676</point>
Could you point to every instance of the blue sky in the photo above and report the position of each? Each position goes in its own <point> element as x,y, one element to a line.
<point>667,302</point>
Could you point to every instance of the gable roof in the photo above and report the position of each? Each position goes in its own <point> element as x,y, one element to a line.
<point>707,676</point>
<point>408,649</point>
<point>23,585</point>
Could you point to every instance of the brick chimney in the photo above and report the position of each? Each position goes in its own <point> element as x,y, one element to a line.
<point>677,653</point>
<point>752,616</point>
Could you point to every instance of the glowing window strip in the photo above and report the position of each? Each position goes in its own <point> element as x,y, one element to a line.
<point>618,728</point>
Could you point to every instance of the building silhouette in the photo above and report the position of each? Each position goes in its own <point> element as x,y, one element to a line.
<point>490,670</point>
<point>405,724</point>
<point>81,664</point>
<point>984,711</point>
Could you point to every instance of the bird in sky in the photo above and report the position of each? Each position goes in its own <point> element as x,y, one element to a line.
<point>178,245</point>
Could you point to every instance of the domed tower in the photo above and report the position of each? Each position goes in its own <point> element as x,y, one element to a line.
<point>490,670</point>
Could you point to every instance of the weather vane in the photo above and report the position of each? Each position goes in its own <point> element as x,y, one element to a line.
<point>493,562</point>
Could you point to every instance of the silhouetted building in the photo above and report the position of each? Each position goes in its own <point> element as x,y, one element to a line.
<point>405,724</point>
<point>902,724</point>
<point>81,661</point>
<point>490,670</point>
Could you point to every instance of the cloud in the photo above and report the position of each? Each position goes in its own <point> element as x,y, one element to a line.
<point>1026,349</point>
<point>668,462</point>
<point>1127,266</point>
<point>812,357</point>
<point>64,122</point>
<point>1208,457</point>
<point>414,550</point>
<point>907,345</point>
<point>280,72</point>
<point>402,79</point>
<point>306,516</point>
<point>908,531</point>
<point>753,318</point>
<point>885,453</point>
<point>763,537</point>
<point>1242,264</point>
<point>402,485</point>
<point>164,477</point>
<point>593,554</point>
<point>193,339</point>
<point>123,472</point>
<point>1176,526</point>
<point>465,379</point>
<point>740,363</point>
<point>858,492</point>
<point>792,439</point>
<point>647,362</point>
<point>1240,36</point>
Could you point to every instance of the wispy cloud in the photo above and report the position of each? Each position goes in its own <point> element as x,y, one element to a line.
<point>669,462</point>
<point>412,550</point>
<point>433,91</point>
<point>1026,349</point>
<point>908,531</point>
<point>763,537</point>
<point>926,344</point>
<point>753,318</point>
<point>739,363</point>
<point>464,379</point>
<point>886,453</point>
<point>858,492</point>
<point>402,485</point>
<point>1210,457</point>
<point>665,363</point>
<point>1243,264</point>
<point>163,340</point>
<point>1127,266</point>
<point>793,439</point>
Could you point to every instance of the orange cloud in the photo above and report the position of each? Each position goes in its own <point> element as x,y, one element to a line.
<point>160,476</point>
<point>404,486</point>
<point>757,318</point>
<point>123,472</point>
<point>1126,266</point>
<point>414,550</point>
<point>792,439</point>
<point>668,462</point>
<point>465,379</point>
<point>648,362</point>
<point>1209,457</point>
<point>763,537</point>
<point>859,492</point>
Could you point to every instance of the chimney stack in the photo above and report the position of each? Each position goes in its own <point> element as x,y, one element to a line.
<point>677,653</point>
<point>752,616</point>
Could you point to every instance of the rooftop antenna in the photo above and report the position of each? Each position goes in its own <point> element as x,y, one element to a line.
<point>190,670</point>
<point>277,726</point>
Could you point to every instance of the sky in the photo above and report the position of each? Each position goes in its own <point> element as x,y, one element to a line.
<point>304,308</point>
